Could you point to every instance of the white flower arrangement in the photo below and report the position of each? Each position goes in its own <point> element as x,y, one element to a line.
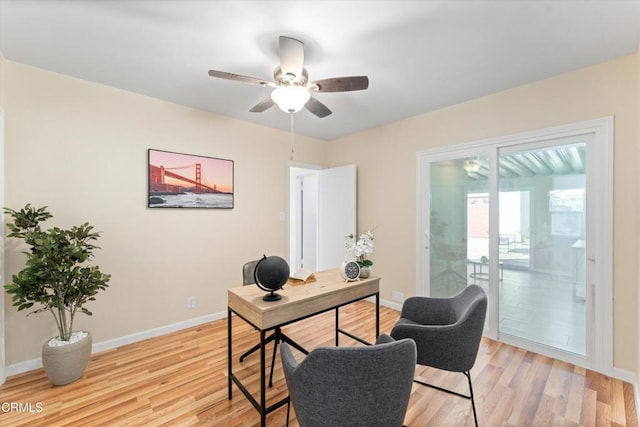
<point>361,248</point>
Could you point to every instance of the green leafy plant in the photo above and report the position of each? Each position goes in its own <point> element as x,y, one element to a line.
<point>57,275</point>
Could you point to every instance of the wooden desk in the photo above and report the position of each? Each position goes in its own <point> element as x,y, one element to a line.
<point>298,302</point>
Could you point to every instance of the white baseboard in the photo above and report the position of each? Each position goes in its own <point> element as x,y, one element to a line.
<point>391,304</point>
<point>156,332</point>
<point>20,367</point>
<point>30,365</point>
<point>624,375</point>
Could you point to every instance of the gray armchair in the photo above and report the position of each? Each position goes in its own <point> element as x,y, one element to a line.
<point>352,386</point>
<point>447,332</point>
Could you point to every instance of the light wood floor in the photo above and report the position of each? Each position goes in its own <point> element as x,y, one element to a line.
<point>181,379</point>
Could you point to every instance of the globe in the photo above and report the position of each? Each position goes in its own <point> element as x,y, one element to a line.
<point>270,274</point>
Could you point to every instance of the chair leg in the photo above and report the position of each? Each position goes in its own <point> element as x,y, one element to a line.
<point>473,403</point>
<point>278,338</point>
<point>292,343</point>
<point>470,396</point>
<point>288,407</point>
<point>256,347</point>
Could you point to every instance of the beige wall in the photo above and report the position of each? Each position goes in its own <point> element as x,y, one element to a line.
<point>386,159</point>
<point>81,149</point>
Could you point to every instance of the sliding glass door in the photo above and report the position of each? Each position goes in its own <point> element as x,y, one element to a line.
<point>459,224</point>
<point>542,237</point>
<point>528,220</point>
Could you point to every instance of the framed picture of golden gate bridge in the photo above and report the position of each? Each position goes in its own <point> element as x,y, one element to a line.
<point>188,181</point>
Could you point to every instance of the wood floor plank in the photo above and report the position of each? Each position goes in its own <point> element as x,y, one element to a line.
<point>629,402</point>
<point>180,379</point>
<point>575,400</point>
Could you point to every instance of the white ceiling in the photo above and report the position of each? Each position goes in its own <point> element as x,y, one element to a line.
<point>419,55</point>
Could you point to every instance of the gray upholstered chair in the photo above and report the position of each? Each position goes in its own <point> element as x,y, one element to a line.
<point>447,332</point>
<point>277,336</point>
<point>351,386</point>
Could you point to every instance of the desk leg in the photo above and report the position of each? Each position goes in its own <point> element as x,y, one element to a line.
<point>263,391</point>
<point>229,361</point>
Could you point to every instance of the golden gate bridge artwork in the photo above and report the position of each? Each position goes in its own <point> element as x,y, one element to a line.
<point>182,180</point>
<point>158,174</point>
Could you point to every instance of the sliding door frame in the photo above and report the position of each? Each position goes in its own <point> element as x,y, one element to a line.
<point>599,251</point>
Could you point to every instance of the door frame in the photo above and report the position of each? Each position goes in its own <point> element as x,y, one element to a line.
<point>336,214</point>
<point>291,200</point>
<point>599,228</point>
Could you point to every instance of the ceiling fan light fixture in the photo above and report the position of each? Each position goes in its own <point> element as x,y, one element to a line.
<point>471,165</point>
<point>290,99</point>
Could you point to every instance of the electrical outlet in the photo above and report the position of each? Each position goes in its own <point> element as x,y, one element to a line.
<point>191,302</point>
<point>397,296</point>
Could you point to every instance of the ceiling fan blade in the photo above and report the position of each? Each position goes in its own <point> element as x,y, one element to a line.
<point>263,105</point>
<point>317,108</point>
<point>340,84</point>
<point>239,78</point>
<point>291,57</point>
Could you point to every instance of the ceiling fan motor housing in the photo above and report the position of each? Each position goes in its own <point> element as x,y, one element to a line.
<point>290,79</point>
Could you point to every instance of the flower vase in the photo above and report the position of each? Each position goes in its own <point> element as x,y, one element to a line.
<point>365,272</point>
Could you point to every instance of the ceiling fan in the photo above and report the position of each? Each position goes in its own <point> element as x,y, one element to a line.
<point>292,89</point>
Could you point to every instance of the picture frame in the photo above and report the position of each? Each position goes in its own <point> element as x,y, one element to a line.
<point>178,180</point>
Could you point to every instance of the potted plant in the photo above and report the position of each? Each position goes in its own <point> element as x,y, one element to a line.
<point>360,249</point>
<point>57,278</point>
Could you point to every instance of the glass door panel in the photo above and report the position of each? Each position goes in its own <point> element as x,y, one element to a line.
<point>529,218</point>
<point>459,225</point>
<point>541,246</point>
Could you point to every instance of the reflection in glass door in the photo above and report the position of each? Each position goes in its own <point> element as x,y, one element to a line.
<point>459,225</point>
<point>529,218</point>
<point>540,236</point>
<point>542,245</point>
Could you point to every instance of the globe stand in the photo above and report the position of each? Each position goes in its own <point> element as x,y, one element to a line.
<point>271,297</point>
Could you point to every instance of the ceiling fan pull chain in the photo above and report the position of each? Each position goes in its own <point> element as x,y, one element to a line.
<point>291,136</point>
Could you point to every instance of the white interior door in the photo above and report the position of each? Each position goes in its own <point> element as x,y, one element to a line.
<point>306,221</point>
<point>322,211</point>
<point>336,213</point>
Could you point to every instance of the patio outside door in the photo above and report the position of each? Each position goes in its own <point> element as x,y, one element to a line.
<point>526,219</point>
<point>541,244</point>
<point>459,224</point>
